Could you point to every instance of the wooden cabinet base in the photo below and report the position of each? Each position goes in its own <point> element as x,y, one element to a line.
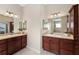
<point>46,41</point>
<point>16,44</point>
<point>12,45</point>
<point>58,46</point>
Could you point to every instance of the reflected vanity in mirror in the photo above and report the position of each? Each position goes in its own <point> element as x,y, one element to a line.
<point>11,25</point>
<point>59,25</point>
<point>6,24</point>
<point>22,25</point>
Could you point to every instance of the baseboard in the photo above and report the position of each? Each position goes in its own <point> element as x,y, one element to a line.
<point>35,50</point>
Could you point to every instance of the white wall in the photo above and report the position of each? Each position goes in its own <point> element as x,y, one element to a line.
<point>34,15</point>
<point>15,9</point>
<point>54,8</point>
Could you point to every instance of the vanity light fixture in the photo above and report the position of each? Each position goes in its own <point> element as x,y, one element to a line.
<point>7,13</point>
<point>51,16</point>
<point>11,14</point>
<point>54,15</point>
<point>59,14</point>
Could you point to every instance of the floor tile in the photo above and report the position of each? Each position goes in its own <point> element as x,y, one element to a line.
<point>27,51</point>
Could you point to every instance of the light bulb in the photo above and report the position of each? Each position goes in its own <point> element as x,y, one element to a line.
<point>51,16</point>
<point>55,15</point>
<point>11,15</point>
<point>15,16</point>
<point>7,13</point>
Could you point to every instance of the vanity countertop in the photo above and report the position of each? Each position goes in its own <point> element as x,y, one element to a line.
<point>65,36</point>
<point>6,36</point>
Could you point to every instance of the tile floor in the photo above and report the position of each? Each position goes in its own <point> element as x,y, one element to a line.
<point>27,51</point>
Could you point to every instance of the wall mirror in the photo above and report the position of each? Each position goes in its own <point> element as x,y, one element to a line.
<point>58,25</point>
<point>6,24</point>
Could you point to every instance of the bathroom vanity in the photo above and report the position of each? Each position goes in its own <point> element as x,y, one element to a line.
<point>9,44</point>
<point>63,44</point>
<point>58,44</point>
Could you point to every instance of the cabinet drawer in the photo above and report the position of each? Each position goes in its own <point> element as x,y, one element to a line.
<point>3,47</point>
<point>3,53</point>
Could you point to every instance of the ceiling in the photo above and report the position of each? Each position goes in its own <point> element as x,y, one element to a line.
<point>54,8</point>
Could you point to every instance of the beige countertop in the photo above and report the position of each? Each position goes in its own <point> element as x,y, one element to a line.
<point>6,36</point>
<point>64,36</point>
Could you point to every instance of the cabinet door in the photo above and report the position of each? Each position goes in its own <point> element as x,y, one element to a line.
<point>46,43</point>
<point>14,44</point>
<point>54,45</point>
<point>77,47</point>
<point>66,47</point>
<point>11,45</point>
<point>24,41</point>
<point>18,43</point>
<point>3,47</point>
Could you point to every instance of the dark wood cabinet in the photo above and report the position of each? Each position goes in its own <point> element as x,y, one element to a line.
<point>51,44</point>
<point>24,41</point>
<point>14,44</point>
<point>18,43</point>
<point>11,45</point>
<point>60,46</point>
<point>74,12</point>
<point>77,47</point>
<point>66,47</point>
<point>54,45</point>
<point>3,47</point>
<point>46,43</point>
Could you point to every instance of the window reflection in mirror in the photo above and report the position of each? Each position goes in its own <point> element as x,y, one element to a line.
<point>57,25</point>
<point>3,28</point>
<point>46,26</point>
